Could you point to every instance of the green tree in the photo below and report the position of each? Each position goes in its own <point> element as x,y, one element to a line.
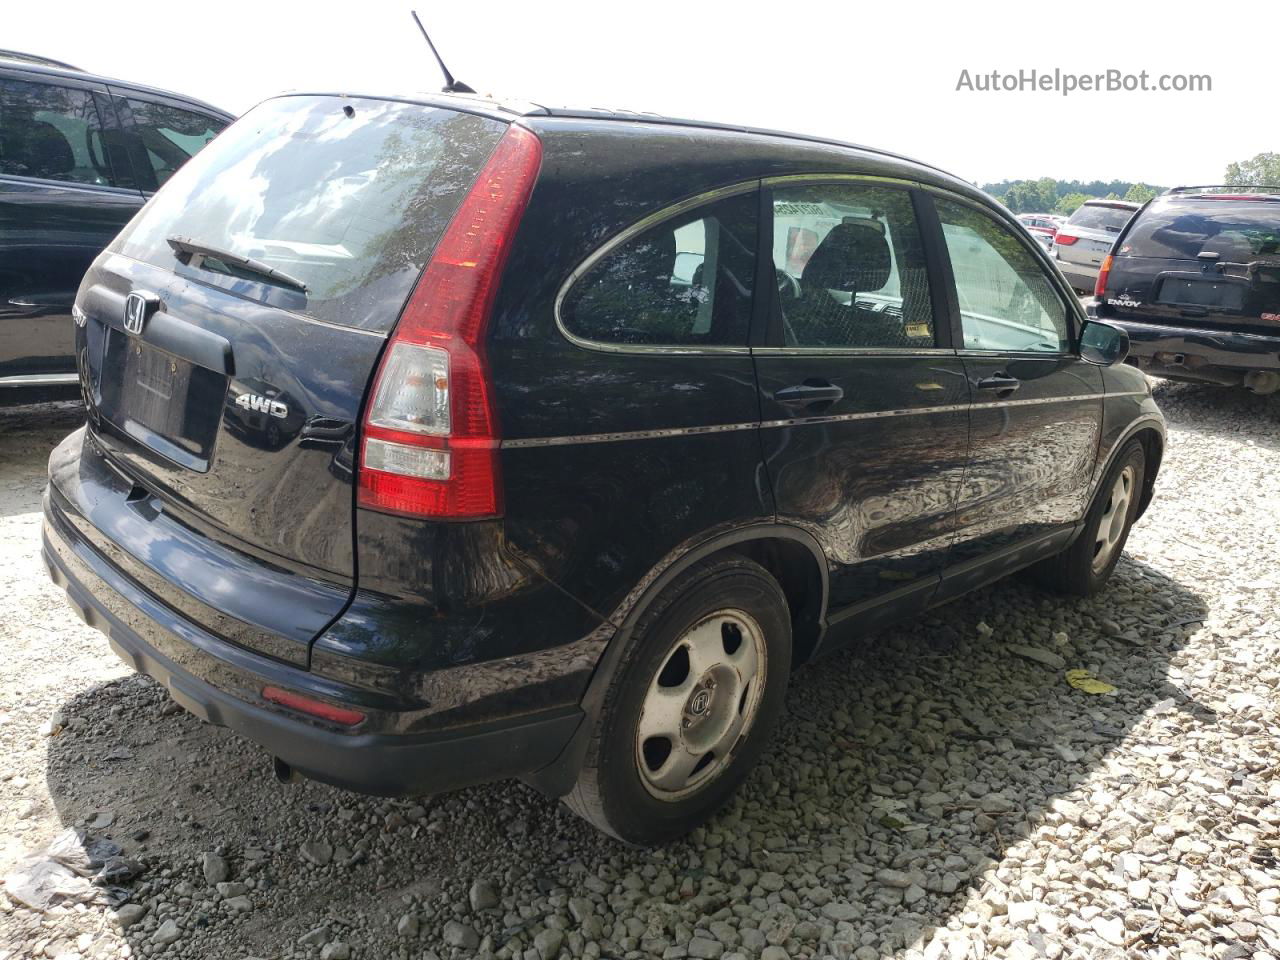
<point>1262,169</point>
<point>1141,193</point>
<point>1032,196</point>
<point>1068,205</point>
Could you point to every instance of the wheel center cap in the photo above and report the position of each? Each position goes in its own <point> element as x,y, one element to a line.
<point>700,702</point>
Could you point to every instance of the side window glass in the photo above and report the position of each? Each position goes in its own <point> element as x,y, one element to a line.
<point>1006,300</point>
<point>161,138</point>
<point>850,267</point>
<point>685,282</point>
<point>52,133</point>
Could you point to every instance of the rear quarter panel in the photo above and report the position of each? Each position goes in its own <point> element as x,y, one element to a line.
<point>613,460</point>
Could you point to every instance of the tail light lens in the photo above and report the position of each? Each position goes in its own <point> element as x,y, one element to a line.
<point>430,435</point>
<point>1065,239</point>
<point>1104,273</point>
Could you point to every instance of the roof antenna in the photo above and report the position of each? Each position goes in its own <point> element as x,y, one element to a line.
<point>450,85</point>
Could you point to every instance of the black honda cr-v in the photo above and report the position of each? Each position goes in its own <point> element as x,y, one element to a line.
<point>435,441</point>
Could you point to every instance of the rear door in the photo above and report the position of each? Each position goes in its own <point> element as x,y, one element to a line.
<point>1037,407</point>
<point>1210,262</point>
<point>158,135</point>
<point>863,400</point>
<point>61,203</point>
<point>230,396</point>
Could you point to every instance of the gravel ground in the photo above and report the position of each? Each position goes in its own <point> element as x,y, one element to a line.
<point>941,793</point>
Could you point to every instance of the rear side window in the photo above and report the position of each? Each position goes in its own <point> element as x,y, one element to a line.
<point>51,133</point>
<point>850,267</point>
<point>1106,219</point>
<point>685,282</point>
<point>348,196</point>
<point>162,138</point>
<point>1006,300</point>
<point>1238,231</point>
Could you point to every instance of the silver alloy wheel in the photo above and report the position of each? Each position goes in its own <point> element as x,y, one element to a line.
<point>1114,517</point>
<point>700,704</point>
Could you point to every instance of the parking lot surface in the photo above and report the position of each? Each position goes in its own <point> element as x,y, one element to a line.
<point>942,792</point>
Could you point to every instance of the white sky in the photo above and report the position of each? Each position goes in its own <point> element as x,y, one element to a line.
<point>882,74</point>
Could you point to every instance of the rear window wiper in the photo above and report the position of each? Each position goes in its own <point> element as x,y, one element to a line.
<point>187,246</point>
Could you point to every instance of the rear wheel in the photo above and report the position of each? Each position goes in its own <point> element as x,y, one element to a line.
<point>691,705</point>
<point>1086,566</point>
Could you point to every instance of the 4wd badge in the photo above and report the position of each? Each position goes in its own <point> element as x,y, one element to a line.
<point>255,403</point>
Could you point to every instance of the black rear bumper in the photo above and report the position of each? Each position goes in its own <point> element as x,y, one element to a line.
<point>143,631</point>
<point>1215,356</point>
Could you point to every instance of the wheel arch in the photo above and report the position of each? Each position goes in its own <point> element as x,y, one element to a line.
<point>792,555</point>
<point>1150,432</point>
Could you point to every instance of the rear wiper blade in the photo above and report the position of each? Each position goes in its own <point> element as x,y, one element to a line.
<point>185,245</point>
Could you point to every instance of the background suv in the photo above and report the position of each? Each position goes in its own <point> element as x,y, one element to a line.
<point>1195,280</point>
<point>589,427</point>
<point>79,155</point>
<point>1086,238</point>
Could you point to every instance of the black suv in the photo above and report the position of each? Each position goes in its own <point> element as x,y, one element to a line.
<point>1195,281</point>
<point>79,155</point>
<point>435,441</point>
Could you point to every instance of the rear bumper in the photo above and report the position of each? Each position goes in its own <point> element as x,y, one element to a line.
<point>1079,275</point>
<point>1215,356</point>
<point>219,682</point>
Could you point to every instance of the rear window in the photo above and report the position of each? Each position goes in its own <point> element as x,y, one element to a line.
<point>1239,231</point>
<point>1110,219</point>
<point>348,196</point>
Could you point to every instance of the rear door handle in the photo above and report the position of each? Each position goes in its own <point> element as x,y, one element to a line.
<point>806,393</point>
<point>1000,385</point>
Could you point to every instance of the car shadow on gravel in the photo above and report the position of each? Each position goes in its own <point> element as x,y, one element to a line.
<point>28,434</point>
<point>901,775</point>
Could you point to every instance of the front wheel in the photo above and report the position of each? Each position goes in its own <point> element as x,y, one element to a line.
<point>1085,567</point>
<point>691,705</point>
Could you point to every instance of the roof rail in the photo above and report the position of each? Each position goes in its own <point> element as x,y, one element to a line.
<point>36,59</point>
<point>1233,187</point>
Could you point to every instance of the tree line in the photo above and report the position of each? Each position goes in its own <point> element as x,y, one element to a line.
<point>1048,195</point>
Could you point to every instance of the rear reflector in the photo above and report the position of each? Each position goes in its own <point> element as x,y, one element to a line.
<point>1065,239</point>
<point>430,444</point>
<point>314,708</point>
<point>1104,273</point>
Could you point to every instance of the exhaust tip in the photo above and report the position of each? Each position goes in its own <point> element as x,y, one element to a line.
<point>284,773</point>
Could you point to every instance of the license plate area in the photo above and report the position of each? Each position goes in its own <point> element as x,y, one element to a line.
<point>1201,293</point>
<point>162,402</point>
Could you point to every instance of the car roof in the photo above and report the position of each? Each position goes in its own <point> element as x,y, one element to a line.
<point>1272,194</point>
<point>51,69</point>
<point>511,109</point>
<point>1104,202</point>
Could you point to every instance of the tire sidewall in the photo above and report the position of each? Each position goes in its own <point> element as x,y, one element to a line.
<point>637,815</point>
<point>1134,456</point>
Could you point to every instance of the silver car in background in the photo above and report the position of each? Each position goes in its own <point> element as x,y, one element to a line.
<point>1086,237</point>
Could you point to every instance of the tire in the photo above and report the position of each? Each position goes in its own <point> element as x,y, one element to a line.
<point>1085,567</point>
<point>707,625</point>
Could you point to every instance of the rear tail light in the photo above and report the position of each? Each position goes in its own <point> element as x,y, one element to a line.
<point>1065,239</point>
<point>1104,273</point>
<point>430,436</point>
